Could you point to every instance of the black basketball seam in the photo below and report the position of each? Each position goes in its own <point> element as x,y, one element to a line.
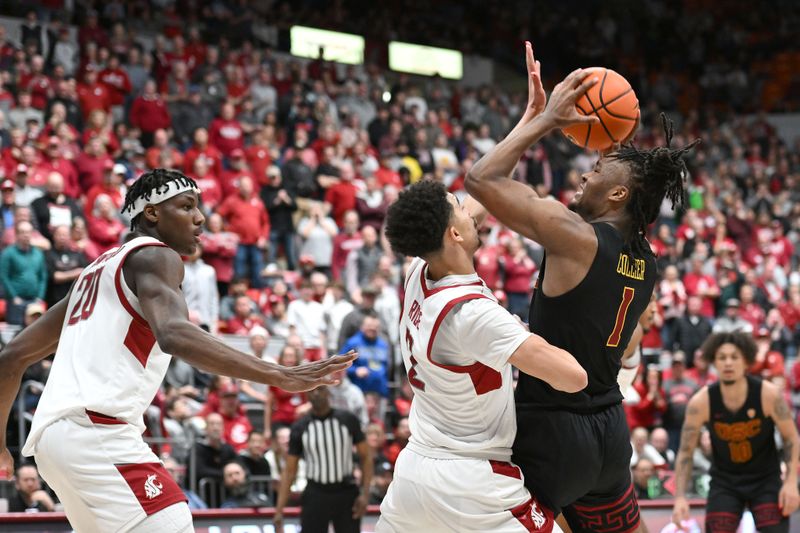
<point>588,134</point>
<point>604,104</point>
<point>589,99</point>
<point>620,95</point>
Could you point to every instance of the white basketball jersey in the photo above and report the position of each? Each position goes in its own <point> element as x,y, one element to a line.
<point>456,340</point>
<point>108,360</point>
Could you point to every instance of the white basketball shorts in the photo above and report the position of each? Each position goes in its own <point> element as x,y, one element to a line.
<point>460,495</point>
<point>106,477</point>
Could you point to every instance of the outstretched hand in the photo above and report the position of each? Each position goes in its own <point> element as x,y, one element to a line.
<point>537,98</point>
<point>312,375</point>
<point>560,111</point>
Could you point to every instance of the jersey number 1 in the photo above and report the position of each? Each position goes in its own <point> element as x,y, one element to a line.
<point>84,305</point>
<point>624,305</point>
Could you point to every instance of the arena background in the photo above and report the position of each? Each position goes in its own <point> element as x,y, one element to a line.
<point>723,71</point>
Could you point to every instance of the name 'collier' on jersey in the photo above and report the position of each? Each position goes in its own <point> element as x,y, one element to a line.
<point>633,270</point>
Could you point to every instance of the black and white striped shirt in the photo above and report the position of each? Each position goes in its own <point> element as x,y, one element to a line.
<point>326,443</point>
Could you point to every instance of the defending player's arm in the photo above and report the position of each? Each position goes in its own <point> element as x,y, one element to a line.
<point>365,459</point>
<point>631,360</point>
<point>33,344</point>
<point>775,407</point>
<point>287,478</point>
<point>157,274</point>
<point>516,205</point>
<point>538,358</point>
<point>696,416</point>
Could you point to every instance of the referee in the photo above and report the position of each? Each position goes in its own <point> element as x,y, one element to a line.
<point>325,439</point>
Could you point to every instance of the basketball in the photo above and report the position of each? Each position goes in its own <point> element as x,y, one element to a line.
<point>613,101</point>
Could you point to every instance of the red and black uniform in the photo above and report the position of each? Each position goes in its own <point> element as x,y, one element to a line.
<point>745,469</point>
<point>574,449</point>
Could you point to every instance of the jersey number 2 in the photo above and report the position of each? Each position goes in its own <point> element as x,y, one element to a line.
<point>624,305</point>
<point>84,305</point>
<point>412,373</point>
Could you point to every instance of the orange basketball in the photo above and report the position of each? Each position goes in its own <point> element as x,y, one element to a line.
<point>613,101</point>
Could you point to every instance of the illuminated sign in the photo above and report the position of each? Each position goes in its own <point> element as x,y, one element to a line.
<point>337,46</point>
<point>426,60</point>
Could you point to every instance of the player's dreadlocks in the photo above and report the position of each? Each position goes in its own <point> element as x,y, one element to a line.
<point>153,182</point>
<point>655,174</point>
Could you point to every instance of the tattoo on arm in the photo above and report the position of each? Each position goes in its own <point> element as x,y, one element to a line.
<point>685,461</point>
<point>781,409</point>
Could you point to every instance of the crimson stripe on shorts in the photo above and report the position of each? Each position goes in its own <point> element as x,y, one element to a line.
<point>152,486</point>
<point>505,469</point>
<point>100,418</point>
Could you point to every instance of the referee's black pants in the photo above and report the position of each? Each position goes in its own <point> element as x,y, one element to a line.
<point>322,505</point>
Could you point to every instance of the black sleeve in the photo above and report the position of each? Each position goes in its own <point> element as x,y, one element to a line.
<point>296,437</point>
<point>353,425</point>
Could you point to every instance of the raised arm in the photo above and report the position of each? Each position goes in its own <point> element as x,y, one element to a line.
<point>157,273</point>
<point>33,344</point>
<point>516,205</point>
<point>776,408</point>
<point>696,416</point>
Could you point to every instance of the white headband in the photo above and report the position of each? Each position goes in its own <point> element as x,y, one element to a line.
<point>173,188</point>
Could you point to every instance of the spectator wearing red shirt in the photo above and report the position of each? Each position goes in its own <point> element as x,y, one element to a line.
<point>749,310</point>
<point>341,197</point>
<point>261,153</point>
<point>699,284</point>
<point>163,153</point>
<point>210,191</point>
<point>92,94</point>
<point>149,113</point>
<point>518,269</point>
<point>283,408</point>
<point>237,426</point>
<point>238,87</point>
<point>111,186</point>
<point>90,30</point>
<point>117,81</point>
<point>37,83</point>
<point>790,309</point>
<point>401,435</point>
<point>701,373</point>
<point>246,216</point>
<point>99,126</point>
<point>52,161</point>
<point>344,242</point>
<point>229,180</point>
<point>385,174</point>
<point>201,148</point>
<point>226,132</point>
<point>244,318</point>
<point>219,249</point>
<point>7,50</point>
<point>769,363</point>
<point>105,229</point>
<point>487,262</point>
<point>91,164</point>
<point>652,401</point>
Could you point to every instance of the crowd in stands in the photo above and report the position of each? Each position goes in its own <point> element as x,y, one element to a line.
<point>298,162</point>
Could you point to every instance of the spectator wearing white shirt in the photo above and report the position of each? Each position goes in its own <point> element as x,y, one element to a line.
<point>336,308</point>
<point>306,318</point>
<point>642,449</point>
<point>200,290</point>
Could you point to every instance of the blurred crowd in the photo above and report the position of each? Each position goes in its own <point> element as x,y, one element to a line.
<point>298,162</point>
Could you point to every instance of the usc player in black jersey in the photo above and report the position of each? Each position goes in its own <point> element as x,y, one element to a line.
<point>594,284</point>
<point>741,412</point>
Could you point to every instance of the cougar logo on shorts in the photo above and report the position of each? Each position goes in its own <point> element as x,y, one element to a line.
<point>537,516</point>
<point>152,487</point>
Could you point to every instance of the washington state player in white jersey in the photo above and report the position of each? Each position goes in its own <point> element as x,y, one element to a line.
<point>458,345</point>
<point>112,336</point>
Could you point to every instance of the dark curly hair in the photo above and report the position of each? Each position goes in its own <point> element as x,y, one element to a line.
<point>151,182</point>
<point>743,341</point>
<point>655,174</point>
<point>416,222</point>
